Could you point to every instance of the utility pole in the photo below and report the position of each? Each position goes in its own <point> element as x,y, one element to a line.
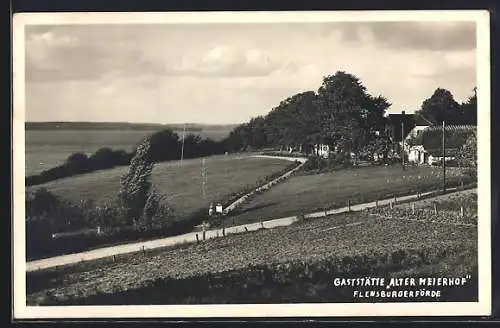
<point>403,139</point>
<point>444,161</point>
<point>204,179</point>
<point>182,147</point>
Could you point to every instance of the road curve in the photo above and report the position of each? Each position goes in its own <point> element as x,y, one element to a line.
<point>215,233</point>
<point>266,186</point>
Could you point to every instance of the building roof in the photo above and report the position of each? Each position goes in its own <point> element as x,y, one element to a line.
<point>421,121</point>
<point>409,122</point>
<point>455,136</point>
<point>453,128</point>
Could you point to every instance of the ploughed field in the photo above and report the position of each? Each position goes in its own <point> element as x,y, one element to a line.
<point>307,193</point>
<point>288,264</point>
<point>46,149</point>
<point>181,184</point>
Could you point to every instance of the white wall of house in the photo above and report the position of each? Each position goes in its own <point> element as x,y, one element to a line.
<point>416,154</point>
<point>322,150</point>
<point>437,159</point>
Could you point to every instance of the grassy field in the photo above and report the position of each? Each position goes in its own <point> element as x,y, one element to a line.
<point>356,244</point>
<point>48,148</point>
<point>308,193</point>
<point>182,185</point>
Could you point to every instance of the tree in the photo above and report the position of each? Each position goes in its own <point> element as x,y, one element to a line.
<point>139,204</point>
<point>350,118</point>
<point>78,162</point>
<point>192,145</point>
<point>103,158</point>
<point>164,145</point>
<point>467,156</point>
<point>469,109</point>
<point>135,184</point>
<point>441,106</point>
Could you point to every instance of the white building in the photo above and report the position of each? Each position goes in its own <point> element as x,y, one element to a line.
<point>417,154</point>
<point>322,150</point>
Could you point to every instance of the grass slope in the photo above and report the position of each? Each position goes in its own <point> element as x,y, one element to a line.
<point>181,184</point>
<point>308,193</point>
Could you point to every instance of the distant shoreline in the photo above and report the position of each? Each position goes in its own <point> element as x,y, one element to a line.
<point>61,126</point>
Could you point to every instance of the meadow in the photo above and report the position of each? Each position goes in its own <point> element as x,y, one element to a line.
<point>181,184</point>
<point>286,264</point>
<point>304,193</point>
<point>45,149</point>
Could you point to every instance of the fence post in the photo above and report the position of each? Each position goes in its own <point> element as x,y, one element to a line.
<point>376,203</point>
<point>461,185</point>
<point>143,250</point>
<point>223,231</point>
<point>261,224</point>
<point>391,205</point>
<point>197,239</point>
<point>461,211</point>
<point>348,205</point>
<point>114,258</point>
<point>413,208</point>
<point>395,199</point>
<point>435,208</point>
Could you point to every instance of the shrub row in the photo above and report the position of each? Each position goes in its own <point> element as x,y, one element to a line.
<point>80,163</point>
<point>165,146</point>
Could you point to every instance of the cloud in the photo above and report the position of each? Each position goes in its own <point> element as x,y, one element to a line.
<point>164,73</point>
<point>414,35</point>
<point>54,55</point>
<point>226,61</point>
<point>446,67</point>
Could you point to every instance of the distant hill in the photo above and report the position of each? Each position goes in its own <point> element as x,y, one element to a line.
<point>190,127</point>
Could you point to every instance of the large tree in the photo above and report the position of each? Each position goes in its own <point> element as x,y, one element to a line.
<point>441,106</point>
<point>351,118</point>
<point>135,185</point>
<point>294,120</point>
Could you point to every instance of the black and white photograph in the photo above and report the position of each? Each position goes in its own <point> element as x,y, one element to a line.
<point>251,164</point>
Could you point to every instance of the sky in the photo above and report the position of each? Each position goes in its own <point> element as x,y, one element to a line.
<point>227,73</point>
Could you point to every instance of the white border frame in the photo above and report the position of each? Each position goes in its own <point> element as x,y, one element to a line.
<point>481,308</point>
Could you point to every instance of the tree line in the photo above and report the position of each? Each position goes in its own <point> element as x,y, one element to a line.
<point>343,115</point>
<point>442,106</point>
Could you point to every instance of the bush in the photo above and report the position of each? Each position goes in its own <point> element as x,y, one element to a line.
<point>467,156</point>
<point>79,163</point>
<point>155,214</point>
